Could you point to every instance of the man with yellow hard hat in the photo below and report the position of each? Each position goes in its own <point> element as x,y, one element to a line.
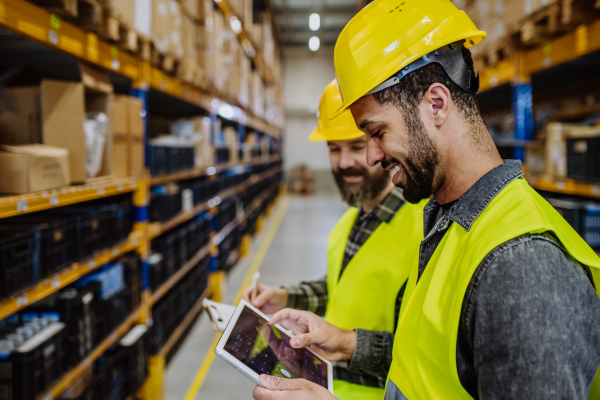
<point>366,271</point>
<point>504,300</point>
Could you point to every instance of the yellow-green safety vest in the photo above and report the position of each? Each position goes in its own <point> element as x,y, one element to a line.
<point>365,295</point>
<point>424,355</point>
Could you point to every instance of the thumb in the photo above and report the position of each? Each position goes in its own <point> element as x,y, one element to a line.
<point>279,383</point>
<point>301,341</point>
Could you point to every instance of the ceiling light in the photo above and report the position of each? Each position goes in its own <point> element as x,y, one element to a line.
<point>314,43</point>
<point>314,22</point>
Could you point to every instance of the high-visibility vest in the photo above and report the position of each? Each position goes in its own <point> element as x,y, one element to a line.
<point>424,355</point>
<point>365,295</point>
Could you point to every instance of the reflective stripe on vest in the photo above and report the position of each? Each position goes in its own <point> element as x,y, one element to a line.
<point>365,295</point>
<point>424,357</point>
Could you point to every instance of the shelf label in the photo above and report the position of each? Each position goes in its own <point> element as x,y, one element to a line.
<point>581,39</point>
<point>115,252</point>
<point>53,37</point>
<point>22,205</point>
<point>100,191</point>
<point>22,300</point>
<point>547,49</point>
<point>115,64</point>
<point>48,396</point>
<point>595,190</point>
<point>56,282</point>
<point>560,185</point>
<point>120,187</point>
<point>91,264</point>
<point>54,200</point>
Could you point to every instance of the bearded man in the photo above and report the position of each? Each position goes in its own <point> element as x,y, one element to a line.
<point>367,271</point>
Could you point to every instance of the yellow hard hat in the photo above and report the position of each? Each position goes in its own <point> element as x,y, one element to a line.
<point>342,128</point>
<point>388,35</point>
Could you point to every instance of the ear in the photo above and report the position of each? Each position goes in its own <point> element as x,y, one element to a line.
<point>439,102</point>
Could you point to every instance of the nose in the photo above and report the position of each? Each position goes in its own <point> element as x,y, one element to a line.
<point>374,153</point>
<point>346,159</point>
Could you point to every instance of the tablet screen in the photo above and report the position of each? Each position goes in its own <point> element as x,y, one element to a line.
<point>266,350</point>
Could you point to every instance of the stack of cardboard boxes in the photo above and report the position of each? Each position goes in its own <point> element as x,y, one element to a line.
<point>63,115</point>
<point>207,50</point>
<point>128,136</point>
<point>515,23</point>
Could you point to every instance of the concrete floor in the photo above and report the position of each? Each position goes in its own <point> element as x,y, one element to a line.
<point>298,252</point>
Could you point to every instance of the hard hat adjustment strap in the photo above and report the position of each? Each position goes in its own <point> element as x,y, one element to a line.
<point>450,58</point>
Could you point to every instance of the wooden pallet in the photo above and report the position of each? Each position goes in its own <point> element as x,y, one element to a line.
<point>116,30</point>
<point>575,12</point>
<point>541,25</point>
<point>495,51</point>
<point>164,61</point>
<point>87,11</point>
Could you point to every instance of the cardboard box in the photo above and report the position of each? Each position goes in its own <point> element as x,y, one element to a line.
<point>175,29</point>
<point>205,9</point>
<point>535,157</point>
<point>33,168</point>
<point>54,113</point>
<point>161,25</point>
<point>556,145</point>
<point>123,8</point>
<point>190,8</point>
<point>126,116</point>
<point>514,12</point>
<point>143,17</point>
<point>128,155</point>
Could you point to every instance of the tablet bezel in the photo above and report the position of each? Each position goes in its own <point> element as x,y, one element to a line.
<point>221,352</point>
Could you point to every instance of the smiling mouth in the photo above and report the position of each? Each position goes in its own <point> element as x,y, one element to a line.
<point>395,170</point>
<point>352,178</point>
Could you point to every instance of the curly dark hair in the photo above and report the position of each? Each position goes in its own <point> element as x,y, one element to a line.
<point>407,94</point>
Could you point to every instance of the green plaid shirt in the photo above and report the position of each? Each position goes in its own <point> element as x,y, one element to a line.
<point>312,296</point>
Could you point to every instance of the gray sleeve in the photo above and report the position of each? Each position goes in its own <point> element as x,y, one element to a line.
<point>532,320</point>
<point>373,353</point>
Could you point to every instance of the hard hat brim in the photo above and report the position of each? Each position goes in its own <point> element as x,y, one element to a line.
<point>334,134</point>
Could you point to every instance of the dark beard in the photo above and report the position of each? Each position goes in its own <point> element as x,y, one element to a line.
<point>356,194</point>
<point>422,160</point>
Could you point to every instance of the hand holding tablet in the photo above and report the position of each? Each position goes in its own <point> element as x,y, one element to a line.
<point>254,347</point>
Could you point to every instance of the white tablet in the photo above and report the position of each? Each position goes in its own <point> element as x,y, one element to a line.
<point>254,347</point>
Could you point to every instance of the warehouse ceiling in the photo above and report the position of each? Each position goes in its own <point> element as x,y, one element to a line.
<point>293,17</point>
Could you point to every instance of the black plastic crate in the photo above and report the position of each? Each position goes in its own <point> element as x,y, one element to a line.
<point>157,271</point>
<point>156,158</point>
<point>57,239</point>
<point>222,155</point>
<point>163,207</point>
<point>19,260</point>
<point>132,267</point>
<point>591,225</point>
<point>173,307</point>
<point>582,159</point>
<point>30,369</point>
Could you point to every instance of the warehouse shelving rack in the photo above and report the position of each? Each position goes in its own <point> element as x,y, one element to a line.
<point>36,24</point>
<point>517,70</point>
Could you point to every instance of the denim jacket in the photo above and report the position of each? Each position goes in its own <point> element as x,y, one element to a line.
<point>530,319</point>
